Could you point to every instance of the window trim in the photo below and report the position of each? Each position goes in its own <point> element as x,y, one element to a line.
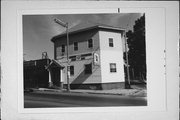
<point>89,71</point>
<point>89,42</point>
<point>63,48</point>
<point>113,70</point>
<point>75,47</point>
<point>111,43</point>
<point>72,70</point>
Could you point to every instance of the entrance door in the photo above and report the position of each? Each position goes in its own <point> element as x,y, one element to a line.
<point>56,77</point>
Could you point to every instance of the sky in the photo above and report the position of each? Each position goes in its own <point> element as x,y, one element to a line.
<point>39,29</point>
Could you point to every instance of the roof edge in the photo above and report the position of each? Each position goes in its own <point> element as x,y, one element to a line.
<point>89,28</point>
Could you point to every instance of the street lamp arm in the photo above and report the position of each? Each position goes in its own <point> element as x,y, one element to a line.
<point>60,22</point>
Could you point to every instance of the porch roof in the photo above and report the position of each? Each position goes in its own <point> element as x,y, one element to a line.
<point>55,63</point>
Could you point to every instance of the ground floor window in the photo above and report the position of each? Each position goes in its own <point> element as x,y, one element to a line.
<point>112,67</point>
<point>88,68</point>
<point>71,70</point>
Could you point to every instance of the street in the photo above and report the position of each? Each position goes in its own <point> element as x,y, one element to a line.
<point>63,99</point>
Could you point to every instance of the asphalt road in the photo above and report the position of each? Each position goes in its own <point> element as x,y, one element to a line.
<point>62,99</point>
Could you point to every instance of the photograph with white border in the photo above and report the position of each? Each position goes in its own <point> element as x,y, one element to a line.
<point>30,20</point>
<point>84,60</point>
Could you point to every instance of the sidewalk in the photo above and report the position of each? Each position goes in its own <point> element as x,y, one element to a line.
<point>123,92</point>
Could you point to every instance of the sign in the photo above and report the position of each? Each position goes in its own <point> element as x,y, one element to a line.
<point>96,59</point>
<point>78,57</point>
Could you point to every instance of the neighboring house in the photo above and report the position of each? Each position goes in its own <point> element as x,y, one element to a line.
<point>96,56</point>
<point>42,73</point>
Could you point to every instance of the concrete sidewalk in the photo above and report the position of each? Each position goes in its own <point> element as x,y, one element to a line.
<point>123,92</point>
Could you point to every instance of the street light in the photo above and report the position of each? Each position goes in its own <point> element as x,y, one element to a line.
<point>63,24</point>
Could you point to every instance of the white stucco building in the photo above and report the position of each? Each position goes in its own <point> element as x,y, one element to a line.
<point>96,56</point>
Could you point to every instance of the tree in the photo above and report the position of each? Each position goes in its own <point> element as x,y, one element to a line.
<point>137,50</point>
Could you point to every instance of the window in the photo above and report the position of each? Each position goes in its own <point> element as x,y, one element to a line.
<point>88,68</point>
<point>75,46</point>
<point>71,70</point>
<point>112,67</point>
<point>58,51</point>
<point>111,42</point>
<point>63,48</point>
<point>90,43</point>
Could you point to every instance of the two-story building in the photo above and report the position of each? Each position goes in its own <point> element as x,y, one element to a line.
<point>95,54</point>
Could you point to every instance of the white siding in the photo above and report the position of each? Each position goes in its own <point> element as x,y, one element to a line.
<point>111,55</point>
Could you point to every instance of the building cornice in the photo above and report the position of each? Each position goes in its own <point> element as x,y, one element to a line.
<point>87,29</point>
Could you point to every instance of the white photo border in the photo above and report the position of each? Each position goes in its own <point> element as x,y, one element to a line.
<point>158,60</point>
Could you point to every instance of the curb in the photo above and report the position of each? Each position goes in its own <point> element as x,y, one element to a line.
<point>88,92</point>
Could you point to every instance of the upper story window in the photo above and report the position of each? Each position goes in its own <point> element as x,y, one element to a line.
<point>112,67</point>
<point>111,44</point>
<point>90,43</point>
<point>63,48</point>
<point>75,46</point>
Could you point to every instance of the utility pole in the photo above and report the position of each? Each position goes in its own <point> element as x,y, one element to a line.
<point>127,62</point>
<point>63,24</point>
<point>68,62</point>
